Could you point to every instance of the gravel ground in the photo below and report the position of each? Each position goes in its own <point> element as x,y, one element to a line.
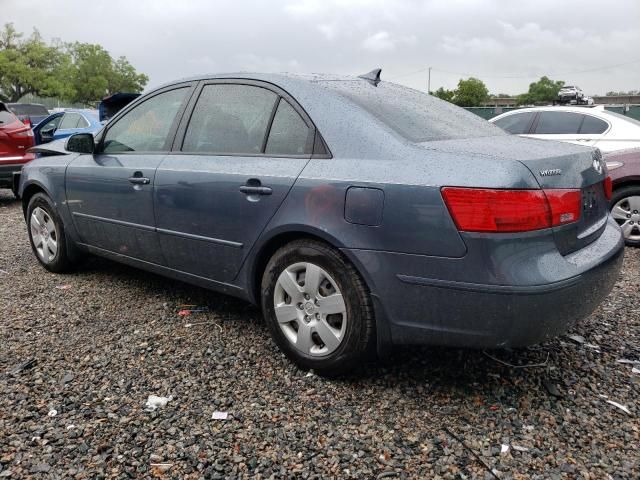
<point>103,339</point>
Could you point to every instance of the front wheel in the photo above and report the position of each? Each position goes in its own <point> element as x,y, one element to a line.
<point>46,234</point>
<point>317,308</point>
<point>625,209</point>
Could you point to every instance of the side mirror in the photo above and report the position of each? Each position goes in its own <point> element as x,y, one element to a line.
<point>81,143</point>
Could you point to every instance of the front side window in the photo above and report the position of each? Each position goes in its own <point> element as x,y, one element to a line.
<point>289,134</point>
<point>230,119</point>
<point>52,124</point>
<point>146,127</point>
<point>558,123</point>
<point>516,124</point>
<point>69,121</point>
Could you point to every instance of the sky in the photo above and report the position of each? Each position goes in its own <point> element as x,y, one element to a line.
<point>506,43</point>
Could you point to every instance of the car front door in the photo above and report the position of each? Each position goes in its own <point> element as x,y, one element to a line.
<point>235,159</point>
<point>110,193</point>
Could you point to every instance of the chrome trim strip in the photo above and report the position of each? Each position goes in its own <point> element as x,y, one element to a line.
<point>115,222</point>
<point>191,236</point>
<point>148,228</point>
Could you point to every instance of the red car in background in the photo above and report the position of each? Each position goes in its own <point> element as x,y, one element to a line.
<point>15,139</point>
<point>624,169</point>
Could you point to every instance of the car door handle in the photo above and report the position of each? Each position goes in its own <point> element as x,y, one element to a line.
<point>251,190</point>
<point>139,180</point>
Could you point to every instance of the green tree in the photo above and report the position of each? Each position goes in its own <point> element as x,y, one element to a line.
<point>30,66</point>
<point>125,78</point>
<point>443,94</point>
<point>470,93</point>
<point>96,74</point>
<point>544,90</point>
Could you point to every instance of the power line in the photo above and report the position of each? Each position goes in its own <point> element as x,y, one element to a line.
<point>556,74</point>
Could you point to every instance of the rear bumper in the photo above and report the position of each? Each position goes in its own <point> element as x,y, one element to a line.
<point>6,173</point>
<point>425,310</point>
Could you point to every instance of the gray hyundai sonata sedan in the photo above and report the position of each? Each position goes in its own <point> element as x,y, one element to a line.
<point>358,213</point>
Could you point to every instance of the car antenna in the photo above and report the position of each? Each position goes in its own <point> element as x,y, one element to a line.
<point>373,77</point>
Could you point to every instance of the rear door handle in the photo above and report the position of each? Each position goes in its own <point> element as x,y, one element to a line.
<point>251,190</point>
<point>139,180</point>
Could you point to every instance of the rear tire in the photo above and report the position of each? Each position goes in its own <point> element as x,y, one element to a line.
<point>625,209</point>
<point>47,235</point>
<point>317,308</point>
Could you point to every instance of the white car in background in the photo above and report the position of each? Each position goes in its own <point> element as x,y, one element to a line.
<point>592,126</point>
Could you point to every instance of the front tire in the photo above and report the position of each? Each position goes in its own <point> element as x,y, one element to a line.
<point>317,308</point>
<point>47,235</point>
<point>625,209</point>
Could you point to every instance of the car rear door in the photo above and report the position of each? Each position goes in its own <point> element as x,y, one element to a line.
<point>110,192</point>
<point>236,156</point>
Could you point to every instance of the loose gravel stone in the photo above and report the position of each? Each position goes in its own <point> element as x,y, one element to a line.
<point>95,350</point>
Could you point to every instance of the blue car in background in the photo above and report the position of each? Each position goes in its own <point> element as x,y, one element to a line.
<point>64,124</point>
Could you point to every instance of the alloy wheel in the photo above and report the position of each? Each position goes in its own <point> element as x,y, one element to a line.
<point>44,235</point>
<point>626,213</point>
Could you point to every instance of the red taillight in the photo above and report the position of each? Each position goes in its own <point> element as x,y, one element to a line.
<point>27,122</point>
<point>608,188</point>
<point>489,210</point>
<point>27,132</point>
<point>565,205</point>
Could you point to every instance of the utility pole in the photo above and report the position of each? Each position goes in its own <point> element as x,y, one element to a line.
<point>429,82</point>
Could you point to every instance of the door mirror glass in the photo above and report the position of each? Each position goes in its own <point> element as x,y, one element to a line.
<point>80,143</point>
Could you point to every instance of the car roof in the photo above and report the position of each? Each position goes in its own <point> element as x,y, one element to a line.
<point>280,79</point>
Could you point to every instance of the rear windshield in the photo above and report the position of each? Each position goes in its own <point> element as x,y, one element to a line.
<point>6,117</point>
<point>27,109</point>
<point>624,117</point>
<point>414,115</point>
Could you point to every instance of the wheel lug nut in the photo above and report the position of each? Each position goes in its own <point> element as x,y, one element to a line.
<point>629,215</point>
<point>306,296</point>
<point>318,316</point>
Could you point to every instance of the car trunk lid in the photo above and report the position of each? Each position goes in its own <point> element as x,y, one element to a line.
<point>554,165</point>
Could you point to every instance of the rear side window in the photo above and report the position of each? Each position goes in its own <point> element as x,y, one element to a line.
<point>146,127</point>
<point>558,123</point>
<point>414,115</point>
<point>69,120</point>
<point>516,124</point>
<point>593,125</point>
<point>230,119</point>
<point>289,134</point>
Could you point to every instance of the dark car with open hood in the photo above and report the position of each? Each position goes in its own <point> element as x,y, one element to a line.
<point>358,213</point>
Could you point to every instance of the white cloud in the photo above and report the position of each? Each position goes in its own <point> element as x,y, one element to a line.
<point>378,42</point>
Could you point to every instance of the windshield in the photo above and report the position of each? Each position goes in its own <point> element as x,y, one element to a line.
<point>414,115</point>
<point>27,109</point>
